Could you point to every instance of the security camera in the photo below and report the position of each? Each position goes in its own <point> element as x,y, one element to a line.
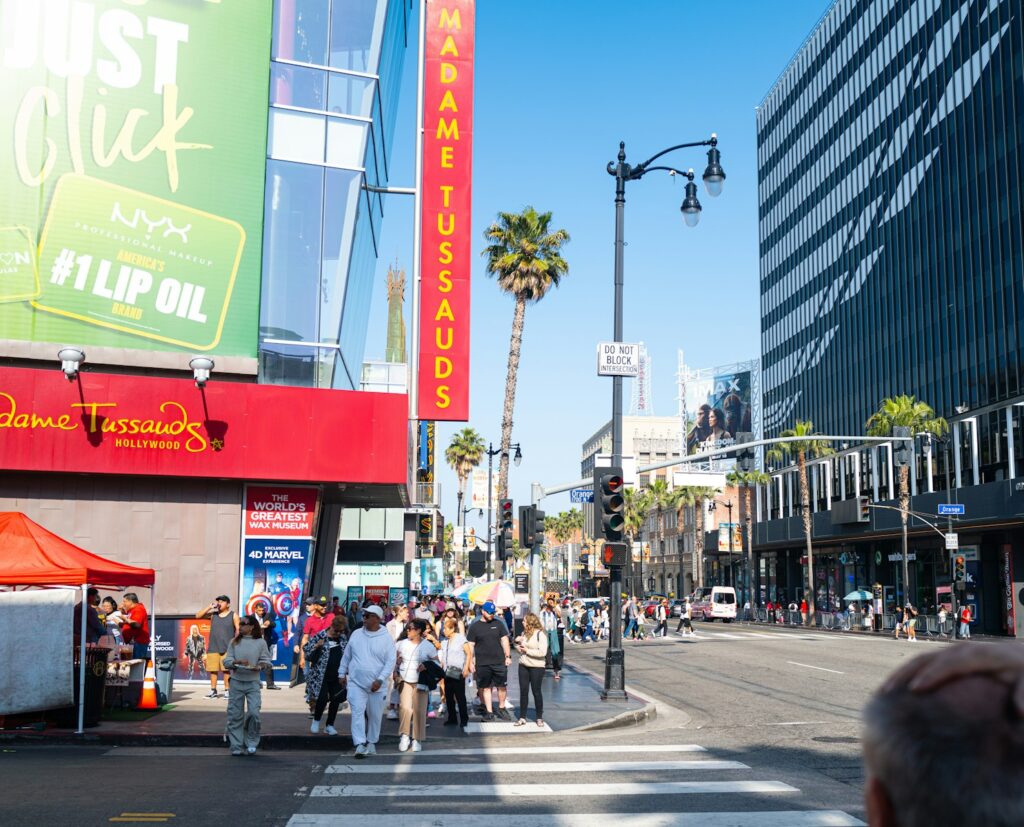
<point>201,367</point>
<point>70,360</point>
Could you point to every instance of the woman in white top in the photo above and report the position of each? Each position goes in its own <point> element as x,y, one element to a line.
<point>413,651</point>
<point>395,627</point>
<point>456,660</point>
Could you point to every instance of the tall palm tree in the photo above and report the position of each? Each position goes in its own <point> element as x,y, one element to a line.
<point>695,496</point>
<point>746,479</point>
<point>635,513</point>
<point>804,447</point>
<point>524,254</point>
<point>463,454</point>
<point>658,499</point>
<point>905,411</point>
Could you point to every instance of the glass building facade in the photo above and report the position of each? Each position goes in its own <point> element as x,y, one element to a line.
<point>335,79</point>
<point>891,172</point>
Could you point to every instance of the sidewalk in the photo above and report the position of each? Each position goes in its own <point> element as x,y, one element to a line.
<point>192,720</point>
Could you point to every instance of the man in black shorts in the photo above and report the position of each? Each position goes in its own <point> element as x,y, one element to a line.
<point>488,638</point>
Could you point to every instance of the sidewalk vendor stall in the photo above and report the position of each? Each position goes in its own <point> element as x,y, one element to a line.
<point>31,556</point>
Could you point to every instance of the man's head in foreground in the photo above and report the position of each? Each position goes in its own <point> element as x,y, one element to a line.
<point>944,740</point>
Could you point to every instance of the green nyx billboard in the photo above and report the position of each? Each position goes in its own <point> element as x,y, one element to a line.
<point>132,158</point>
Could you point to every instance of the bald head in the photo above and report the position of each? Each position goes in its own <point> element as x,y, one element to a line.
<point>949,747</point>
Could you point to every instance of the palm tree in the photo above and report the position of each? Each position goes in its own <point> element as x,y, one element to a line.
<point>524,254</point>
<point>463,454</point>
<point>658,499</point>
<point>918,416</point>
<point>804,447</point>
<point>746,479</point>
<point>635,512</point>
<point>695,496</point>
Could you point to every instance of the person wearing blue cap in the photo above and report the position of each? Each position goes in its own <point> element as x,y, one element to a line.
<point>488,640</point>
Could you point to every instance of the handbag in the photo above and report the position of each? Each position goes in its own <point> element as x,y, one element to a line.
<point>453,672</point>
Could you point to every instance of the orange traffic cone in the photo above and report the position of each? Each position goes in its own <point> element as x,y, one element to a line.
<point>149,699</point>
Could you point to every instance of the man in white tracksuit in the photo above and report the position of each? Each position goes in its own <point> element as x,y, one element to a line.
<point>368,662</point>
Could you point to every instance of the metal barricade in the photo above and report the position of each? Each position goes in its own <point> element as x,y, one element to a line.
<point>857,621</point>
<point>888,622</point>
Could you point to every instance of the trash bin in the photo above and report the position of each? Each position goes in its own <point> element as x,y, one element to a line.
<point>95,685</point>
<point>165,679</point>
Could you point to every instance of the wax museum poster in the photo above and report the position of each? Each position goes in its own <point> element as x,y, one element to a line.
<point>132,159</point>
<point>274,572</point>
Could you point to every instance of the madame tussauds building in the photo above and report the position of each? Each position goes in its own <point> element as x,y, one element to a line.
<point>190,219</point>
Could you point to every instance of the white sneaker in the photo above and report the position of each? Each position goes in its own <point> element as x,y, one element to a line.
<point>392,715</point>
<point>403,743</point>
<point>314,727</point>
<point>251,750</point>
<point>371,749</point>
<point>331,730</point>
<point>416,747</point>
<point>361,751</point>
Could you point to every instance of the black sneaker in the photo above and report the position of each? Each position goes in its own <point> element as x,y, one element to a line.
<point>451,722</point>
<point>211,695</point>
<point>503,714</point>
<point>488,716</point>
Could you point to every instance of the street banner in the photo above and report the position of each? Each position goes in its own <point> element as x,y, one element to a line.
<point>446,254</point>
<point>397,596</point>
<point>378,594</point>
<point>280,511</point>
<point>133,146</point>
<point>354,594</point>
<point>278,529</point>
<point>186,639</point>
<point>274,574</point>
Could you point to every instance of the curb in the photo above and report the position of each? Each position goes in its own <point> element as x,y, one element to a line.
<point>339,743</point>
<point>631,717</point>
<point>747,624</point>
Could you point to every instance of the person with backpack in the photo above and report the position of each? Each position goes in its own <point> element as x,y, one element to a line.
<point>324,652</point>
<point>587,624</point>
<point>910,615</point>
<point>662,615</point>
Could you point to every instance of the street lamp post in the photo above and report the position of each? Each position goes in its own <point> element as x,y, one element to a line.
<point>728,504</point>
<point>714,178</point>
<point>517,458</point>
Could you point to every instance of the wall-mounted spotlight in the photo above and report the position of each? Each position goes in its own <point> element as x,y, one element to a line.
<point>70,360</point>
<point>201,367</point>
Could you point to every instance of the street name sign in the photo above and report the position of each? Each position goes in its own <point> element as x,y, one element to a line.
<point>952,542</point>
<point>952,509</point>
<point>618,359</point>
<point>581,495</point>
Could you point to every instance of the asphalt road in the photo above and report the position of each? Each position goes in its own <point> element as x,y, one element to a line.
<point>756,727</point>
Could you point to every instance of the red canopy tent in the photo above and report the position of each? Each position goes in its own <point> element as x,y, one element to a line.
<point>32,556</point>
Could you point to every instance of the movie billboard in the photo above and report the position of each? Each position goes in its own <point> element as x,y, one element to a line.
<point>132,158</point>
<point>720,404</point>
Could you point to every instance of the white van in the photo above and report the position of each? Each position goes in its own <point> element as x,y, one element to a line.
<point>715,602</point>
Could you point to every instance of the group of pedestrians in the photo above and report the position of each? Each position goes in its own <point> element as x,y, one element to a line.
<point>385,668</point>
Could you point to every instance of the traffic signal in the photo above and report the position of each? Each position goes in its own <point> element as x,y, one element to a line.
<point>499,546</point>
<point>903,449</point>
<point>538,526</point>
<point>959,568</point>
<point>609,504</point>
<point>863,509</point>
<point>615,554</point>
<point>505,511</point>
<point>531,526</point>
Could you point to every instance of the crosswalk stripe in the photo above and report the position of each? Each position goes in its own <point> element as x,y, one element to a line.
<point>612,749</point>
<point>547,790</point>
<point>770,818</point>
<point>539,766</point>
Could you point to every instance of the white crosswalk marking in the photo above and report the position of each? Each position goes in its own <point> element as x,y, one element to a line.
<point>526,792</point>
<point>769,818</point>
<point>544,766</point>
<point>505,791</point>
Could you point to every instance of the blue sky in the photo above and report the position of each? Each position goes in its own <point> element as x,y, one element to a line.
<point>558,85</point>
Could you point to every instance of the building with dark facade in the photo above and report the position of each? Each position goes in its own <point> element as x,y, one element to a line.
<point>891,171</point>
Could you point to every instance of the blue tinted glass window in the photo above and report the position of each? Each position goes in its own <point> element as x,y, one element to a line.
<point>291,251</point>
<point>297,86</point>
<point>300,30</point>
